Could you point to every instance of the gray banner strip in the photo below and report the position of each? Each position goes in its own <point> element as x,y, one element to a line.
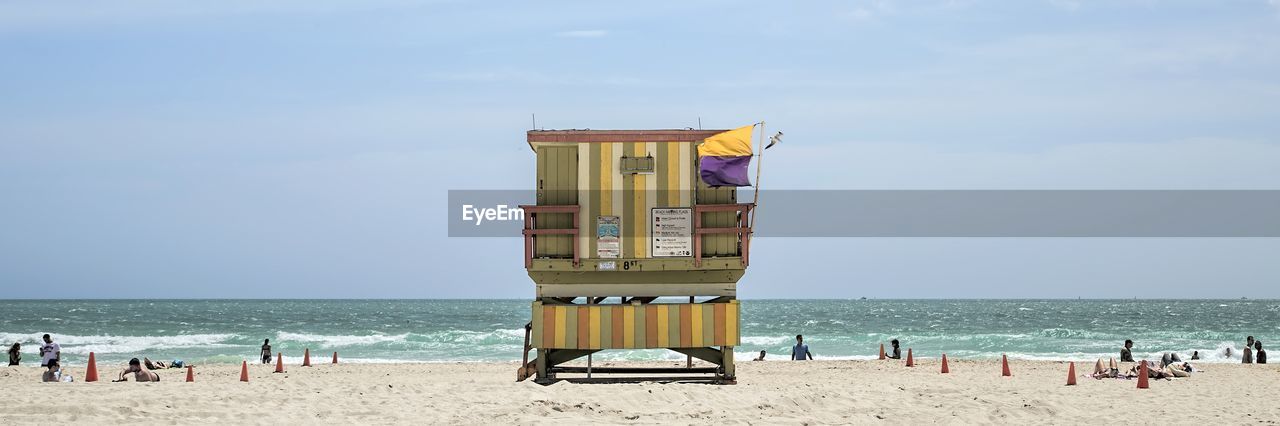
<point>961,213</point>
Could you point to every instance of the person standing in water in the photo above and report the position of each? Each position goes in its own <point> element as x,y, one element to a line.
<point>266,351</point>
<point>1259,355</point>
<point>800,351</point>
<point>1247,356</point>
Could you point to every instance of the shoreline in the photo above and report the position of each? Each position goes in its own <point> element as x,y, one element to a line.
<point>834,391</point>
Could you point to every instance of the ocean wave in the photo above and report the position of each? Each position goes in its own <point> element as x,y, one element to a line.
<point>82,345</point>
<point>340,340</point>
<point>1067,333</point>
<point>765,340</point>
<point>443,338</point>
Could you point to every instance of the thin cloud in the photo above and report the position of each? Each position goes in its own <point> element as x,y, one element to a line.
<point>583,33</point>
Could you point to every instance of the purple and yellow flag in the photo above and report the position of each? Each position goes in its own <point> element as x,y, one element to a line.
<point>723,158</point>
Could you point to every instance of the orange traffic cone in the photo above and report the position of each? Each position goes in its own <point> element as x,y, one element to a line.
<point>945,370</point>
<point>306,358</point>
<point>279,362</point>
<point>1004,361</point>
<point>244,371</point>
<point>882,357</point>
<point>1142,376</point>
<point>91,373</point>
<point>910,361</point>
<point>335,357</point>
<point>191,374</point>
<point>1071,374</point>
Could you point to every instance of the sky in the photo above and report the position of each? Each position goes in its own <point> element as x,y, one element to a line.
<point>299,149</point>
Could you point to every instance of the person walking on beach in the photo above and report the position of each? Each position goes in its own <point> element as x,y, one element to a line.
<point>50,352</point>
<point>897,351</point>
<point>1126,353</point>
<point>15,354</point>
<point>800,352</point>
<point>1259,355</point>
<point>266,351</point>
<point>1246,357</point>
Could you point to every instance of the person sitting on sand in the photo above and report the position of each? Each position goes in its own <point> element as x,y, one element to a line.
<point>800,351</point>
<point>761,358</point>
<point>53,372</point>
<point>140,373</point>
<point>266,351</point>
<point>897,352</point>
<point>1246,356</point>
<point>1126,353</point>
<point>1259,355</point>
<point>15,354</point>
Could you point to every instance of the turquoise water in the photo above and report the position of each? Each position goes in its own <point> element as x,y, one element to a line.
<point>228,331</point>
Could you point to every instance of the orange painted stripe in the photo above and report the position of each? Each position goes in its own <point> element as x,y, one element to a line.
<point>719,325</point>
<point>686,326</point>
<point>617,327</point>
<point>548,327</point>
<point>584,327</point>
<point>651,326</point>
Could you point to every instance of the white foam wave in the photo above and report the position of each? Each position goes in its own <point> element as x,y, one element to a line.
<point>340,340</point>
<point>765,340</point>
<point>82,345</point>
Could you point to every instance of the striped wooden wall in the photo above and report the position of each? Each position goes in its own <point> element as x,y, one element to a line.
<point>602,190</point>
<point>651,326</point>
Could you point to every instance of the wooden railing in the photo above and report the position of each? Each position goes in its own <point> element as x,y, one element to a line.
<point>742,228</point>
<point>531,231</point>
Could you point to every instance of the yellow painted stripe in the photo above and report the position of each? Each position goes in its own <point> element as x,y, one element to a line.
<point>628,327</point>
<point>606,179</point>
<point>731,324</point>
<point>561,314</point>
<point>594,343</point>
<point>695,328</point>
<point>536,337</point>
<point>663,336</point>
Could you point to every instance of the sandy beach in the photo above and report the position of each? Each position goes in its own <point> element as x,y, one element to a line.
<point>771,392</point>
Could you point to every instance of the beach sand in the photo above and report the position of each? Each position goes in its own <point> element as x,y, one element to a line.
<point>769,392</point>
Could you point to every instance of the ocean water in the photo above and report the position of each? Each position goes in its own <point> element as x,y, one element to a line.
<point>228,331</point>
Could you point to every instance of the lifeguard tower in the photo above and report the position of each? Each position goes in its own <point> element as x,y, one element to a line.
<point>630,249</point>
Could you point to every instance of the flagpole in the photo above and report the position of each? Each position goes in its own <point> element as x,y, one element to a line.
<point>755,202</point>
